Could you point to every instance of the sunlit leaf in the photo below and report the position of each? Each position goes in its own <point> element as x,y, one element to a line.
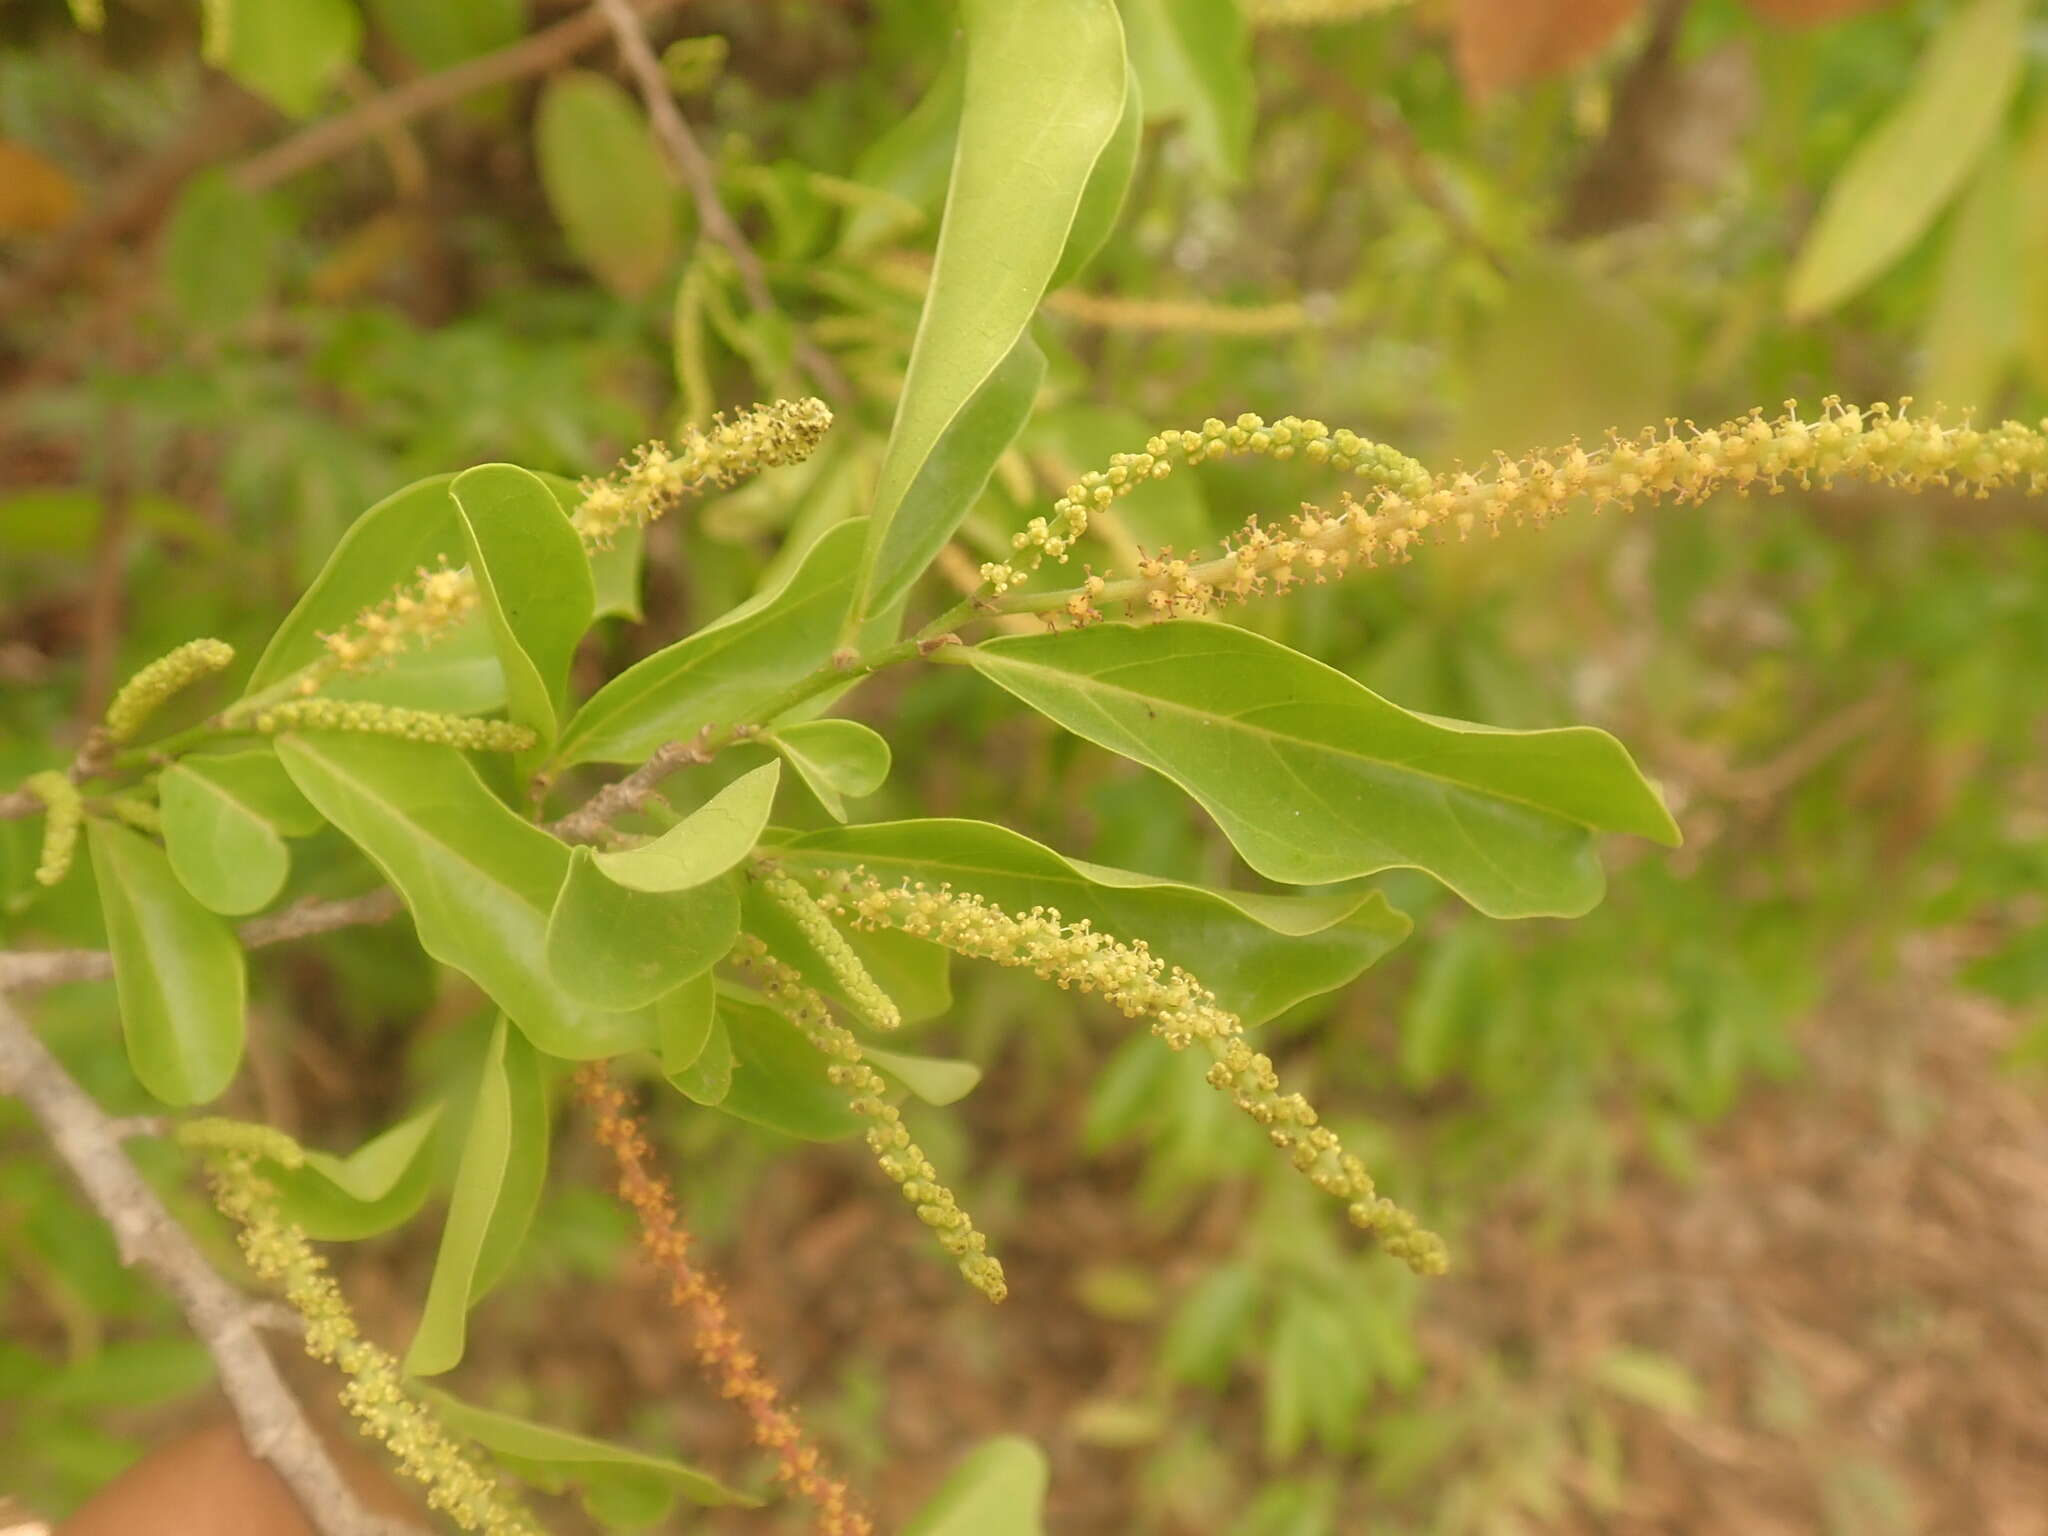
<point>605,181</point>
<point>617,948</point>
<point>1970,343</point>
<point>839,759</point>
<point>934,1079</point>
<point>704,844</point>
<point>225,819</point>
<point>290,51</point>
<point>682,1022</point>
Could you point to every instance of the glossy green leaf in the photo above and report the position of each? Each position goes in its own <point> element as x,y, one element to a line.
<point>219,253</point>
<point>1043,97</point>
<point>1193,60</point>
<point>480,882</point>
<point>727,670</point>
<point>1907,168</point>
<point>533,584</point>
<point>605,181</point>
<point>682,1023</point>
<point>178,970</point>
<point>497,1183</point>
<point>290,51</point>
<point>934,1079</point>
<point>1259,954</point>
<point>381,1185</point>
<point>1314,778</point>
<point>614,568</point>
<point>704,844</point>
<point>225,820</point>
<point>708,1077</point>
<point>997,1489</point>
<point>778,1077</point>
<point>840,760</point>
<point>621,949</point>
<point>556,1460</point>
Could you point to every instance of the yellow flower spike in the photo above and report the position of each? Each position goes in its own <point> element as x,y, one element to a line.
<point>1139,984</point>
<point>391,720</point>
<point>458,1483</point>
<point>876,1008</point>
<point>144,693</point>
<point>887,1137</point>
<point>63,815</point>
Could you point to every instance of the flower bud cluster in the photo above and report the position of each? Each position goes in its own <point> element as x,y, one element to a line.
<point>721,1348</point>
<point>457,1482</point>
<point>392,720</point>
<point>63,815</point>
<point>658,476</point>
<point>142,695</point>
<point>1182,1012</point>
<point>1750,454</point>
<point>142,815</point>
<point>418,613</point>
<point>1287,438</point>
<point>887,1137</point>
<point>875,1007</point>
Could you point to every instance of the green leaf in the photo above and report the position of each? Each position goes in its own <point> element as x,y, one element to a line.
<point>555,1460</point>
<point>533,582</point>
<point>1314,778</point>
<point>381,1185</point>
<point>289,51</point>
<point>605,181</point>
<point>497,1184</point>
<point>778,1077</point>
<point>225,820</point>
<point>1656,1381</point>
<point>838,759</point>
<point>178,971</point>
<point>1259,954</point>
<point>682,1024</point>
<point>704,844</point>
<point>1970,343</point>
<point>1102,203</point>
<point>997,1489</point>
<point>219,254</point>
<point>1907,168</point>
<point>1043,97</point>
<point>449,31</point>
<point>480,883</point>
<point>934,1079</point>
<point>708,1078</point>
<point>1193,59</point>
<point>727,670</point>
<point>621,949</point>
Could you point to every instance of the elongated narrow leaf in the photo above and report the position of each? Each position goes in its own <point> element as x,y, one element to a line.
<point>704,844</point>
<point>534,584</point>
<point>381,1185</point>
<point>1314,778</point>
<point>478,881</point>
<point>726,671</point>
<point>1259,954</point>
<point>1044,94</point>
<point>778,1077</point>
<point>620,949</point>
<point>1910,165</point>
<point>997,1489</point>
<point>605,181</point>
<point>557,1460</point>
<point>225,820</point>
<point>497,1181</point>
<point>178,970</point>
<point>838,759</point>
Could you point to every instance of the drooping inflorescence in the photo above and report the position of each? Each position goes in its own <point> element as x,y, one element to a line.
<point>63,815</point>
<point>1287,438</point>
<point>1182,1013</point>
<point>876,1008</point>
<point>392,720</point>
<point>900,1158</point>
<point>144,693</point>
<point>1750,454</point>
<point>457,1482</point>
<point>721,1348</point>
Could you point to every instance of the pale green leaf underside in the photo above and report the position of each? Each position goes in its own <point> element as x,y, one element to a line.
<point>617,948</point>
<point>225,820</point>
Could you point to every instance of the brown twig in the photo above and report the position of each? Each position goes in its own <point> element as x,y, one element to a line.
<point>692,168</point>
<point>225,1322</point>
<point>333,136</point>
<point>617,799</point>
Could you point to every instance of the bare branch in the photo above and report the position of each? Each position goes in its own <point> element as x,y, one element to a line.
<point>692,168</point>
<point>272,1422</point>
<point>583,824</point>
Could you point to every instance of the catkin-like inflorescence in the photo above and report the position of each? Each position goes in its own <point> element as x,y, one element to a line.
<point>1289,437</point>
<point>1751,454</point>
<point>142,695</point>
<point>63,815</point>
<point>457,1481</point>
<point>1182,1012</point>
<point>887,1137</point>
<point>721,1348</point>
<point>391,720</point>
<point>876,1008</point>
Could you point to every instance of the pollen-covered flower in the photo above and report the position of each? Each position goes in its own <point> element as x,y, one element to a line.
<point>392,720</point>
<point>1139,984</point>
<point>142,695</point>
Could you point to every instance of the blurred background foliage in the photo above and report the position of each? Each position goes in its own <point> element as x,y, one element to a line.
<point>1745,1170</point>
